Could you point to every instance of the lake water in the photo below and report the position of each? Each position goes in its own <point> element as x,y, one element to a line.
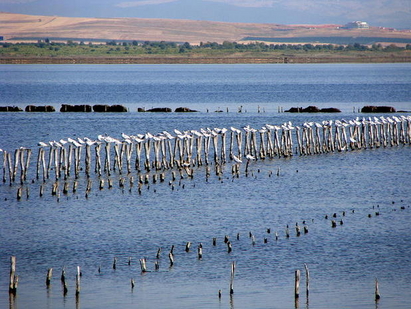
<point>44,232</point>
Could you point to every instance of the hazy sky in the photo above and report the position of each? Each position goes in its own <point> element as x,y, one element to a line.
<point>388,13</point>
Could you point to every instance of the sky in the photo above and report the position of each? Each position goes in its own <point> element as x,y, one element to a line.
<point>384,13</point>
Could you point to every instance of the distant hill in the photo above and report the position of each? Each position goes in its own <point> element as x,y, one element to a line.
<point>104,29</point>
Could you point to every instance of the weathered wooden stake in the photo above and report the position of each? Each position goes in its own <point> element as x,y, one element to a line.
<point>132,283</point>
<point>63,281</point>
<point>200,251</point>
<point>143,265</point>
<point>19,193</point>
<point>78,281</point>
<point>229,247</point>
<point>377,290</point>
<point>297,284</point>
<point>188,245</point>
<point>171,258</point>
<point>115,263</point>
<point>63,275</point>
<point>14,280</point>
<point>49,275</point>
<point>307,280</point>
<point>232,278</point>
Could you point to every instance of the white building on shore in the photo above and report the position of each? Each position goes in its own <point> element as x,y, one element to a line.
<point>357,25</point>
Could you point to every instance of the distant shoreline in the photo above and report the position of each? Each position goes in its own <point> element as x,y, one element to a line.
<point>389,58</point>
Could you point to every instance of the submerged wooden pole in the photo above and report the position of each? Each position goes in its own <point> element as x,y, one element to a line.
<point>200,251</point>
<point>143,265</point>
<point>232,278</point>
<point>297,284</point>
<point>307,280</point>
<point>14,280</point>
<point>377,290</point>
<point>171,258</point>
<point>49,275</point>
<point>63,281</point>
<point>78,281</point>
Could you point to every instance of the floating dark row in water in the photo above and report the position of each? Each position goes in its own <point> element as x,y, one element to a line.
<point>166,110</point>
<point>313,109</point>
<point>10,109</point>
<point>378,109</point>
<point>67,108</point>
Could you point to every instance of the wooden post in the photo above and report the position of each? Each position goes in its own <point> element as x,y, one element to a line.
<point>297,284</point>
<point>307,280</point>
<point>188,245</point>
<point>143,265</point>
<point>200,251</point>
<point>232,278</point>
<point>158,253</point>
<point>19,193</point>
<point>115,263</point>
<point>49,275</point>
<point>63,281</point>
<point>75,184</point>
<point>132,283</point>
<point>229,247</point>
<point>171,258</point>
<point>14,280</point>
<point>78,281</point>
<point>377,290</point>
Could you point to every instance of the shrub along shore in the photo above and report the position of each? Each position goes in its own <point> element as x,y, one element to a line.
<point>263,59</point>
<point>206,53</point>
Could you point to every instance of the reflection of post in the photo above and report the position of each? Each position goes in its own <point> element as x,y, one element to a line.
<point>12,301</point>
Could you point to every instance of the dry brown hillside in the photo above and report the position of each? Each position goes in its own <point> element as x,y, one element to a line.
<point>28,26</point>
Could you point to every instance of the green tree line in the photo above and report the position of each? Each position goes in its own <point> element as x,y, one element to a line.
<point>48,48</point>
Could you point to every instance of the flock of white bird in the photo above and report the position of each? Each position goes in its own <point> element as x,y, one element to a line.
<point>187,149</point>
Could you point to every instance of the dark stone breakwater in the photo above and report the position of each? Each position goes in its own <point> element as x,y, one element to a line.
<point>313,109</point>
<point>104,108</point>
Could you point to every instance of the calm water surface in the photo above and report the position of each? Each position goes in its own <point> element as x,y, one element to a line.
<point>118,222</point>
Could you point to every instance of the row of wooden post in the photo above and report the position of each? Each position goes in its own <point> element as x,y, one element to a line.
<point>193,148</point>
<point>14,278</point>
